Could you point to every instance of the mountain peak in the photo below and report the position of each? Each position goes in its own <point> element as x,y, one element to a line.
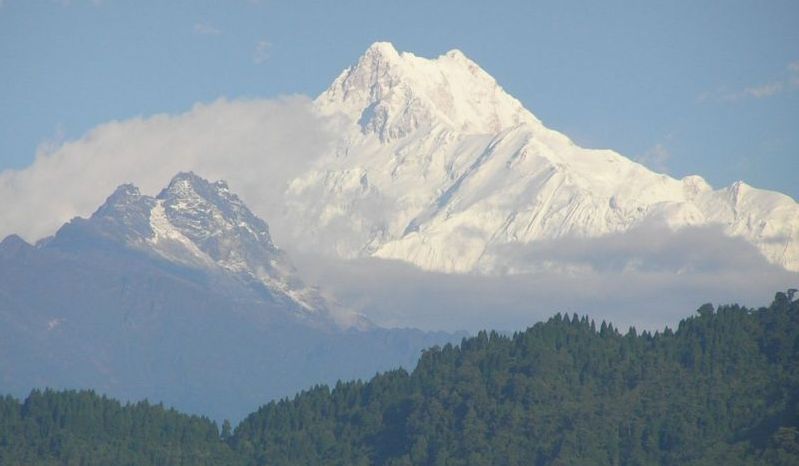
<point>187,182</point>
<point>188,176</point>
<point>202,225</point>
<point>14,246</point>
<point>456,54</point>
<point>436,165</point>
<point>382,50</point>
<point>187,190</point>
<point>14,242</point>
<point>126,212</point>
<point>694,185</point>
<point>126,190</point>
<point>391,94</point>
<point>124,195</point>
<point>203,209</point>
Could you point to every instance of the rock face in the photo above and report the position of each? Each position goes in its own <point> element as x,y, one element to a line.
<point>438,166</point>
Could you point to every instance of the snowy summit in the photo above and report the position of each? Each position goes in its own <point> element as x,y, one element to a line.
<point>392,95</point>
<point>439,167</point>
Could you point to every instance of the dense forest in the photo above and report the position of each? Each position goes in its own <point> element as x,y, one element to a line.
<point>83,428</point>
<point>723,388</point>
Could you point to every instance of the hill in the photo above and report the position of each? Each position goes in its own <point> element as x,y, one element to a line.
<point>723,388</point>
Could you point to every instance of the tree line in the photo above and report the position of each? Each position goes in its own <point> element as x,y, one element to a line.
<point>721,388</point>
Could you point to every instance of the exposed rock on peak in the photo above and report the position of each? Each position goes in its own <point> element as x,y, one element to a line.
<point>204,226</point>
<point>216,220</point>
<point>126,213</point>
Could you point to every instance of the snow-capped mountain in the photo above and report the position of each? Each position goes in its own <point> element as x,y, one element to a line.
<point>181,298</point>
<point>438,166</point>
<point>202,225</point>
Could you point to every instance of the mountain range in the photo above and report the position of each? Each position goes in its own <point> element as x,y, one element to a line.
<point>181,298</point>
<point>436,165</point>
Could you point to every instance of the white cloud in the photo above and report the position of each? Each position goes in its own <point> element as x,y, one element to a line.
<point>649,278</point>
<point>206,29</point>
<point>254,145</point>
<point>262,51</point>
<point>769,89</point>
<point>765,90</point>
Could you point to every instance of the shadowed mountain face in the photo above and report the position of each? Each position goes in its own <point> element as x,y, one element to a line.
<point>181,298</point>
<point>205,228</point>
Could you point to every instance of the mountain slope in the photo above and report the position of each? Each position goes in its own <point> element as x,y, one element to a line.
<point>437,166</point>
<point>181,298</point>
<point>721,389</point>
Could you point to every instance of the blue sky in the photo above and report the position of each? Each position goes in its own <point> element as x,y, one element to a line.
<point>689,87</point>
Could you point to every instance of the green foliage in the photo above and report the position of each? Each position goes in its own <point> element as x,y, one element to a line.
<point>721,389</point>
<point>82,428</point>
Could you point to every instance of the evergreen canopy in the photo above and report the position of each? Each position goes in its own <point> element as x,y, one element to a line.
<point>723,388</point>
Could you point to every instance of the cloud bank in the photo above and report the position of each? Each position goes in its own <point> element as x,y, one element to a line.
<point>254,145</point>
<point>648,278</point>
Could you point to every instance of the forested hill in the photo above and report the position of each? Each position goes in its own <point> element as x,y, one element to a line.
<point>82,428</point>
<point>723,388</point>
